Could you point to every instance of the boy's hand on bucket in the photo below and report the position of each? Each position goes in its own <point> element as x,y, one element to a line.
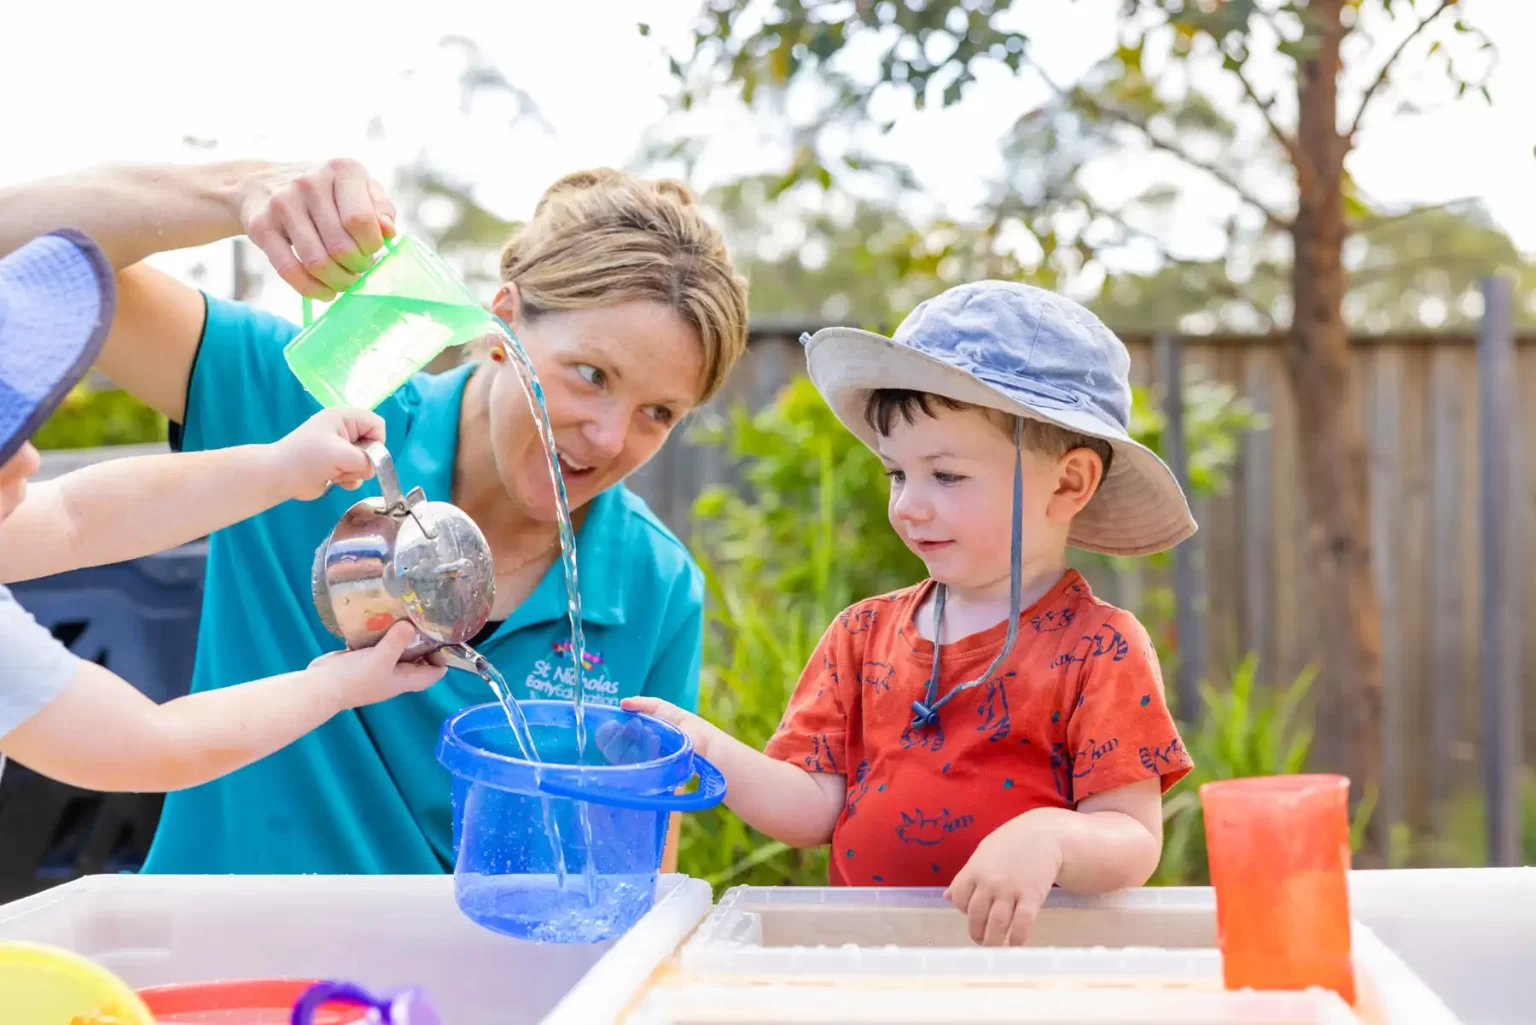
<point>325,450</point>
<point>376,674</point>
<point>1002,887</point>
<point>698,729</point>
<point>319,226</point>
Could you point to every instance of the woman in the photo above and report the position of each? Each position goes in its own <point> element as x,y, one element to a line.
<point>624,297</point>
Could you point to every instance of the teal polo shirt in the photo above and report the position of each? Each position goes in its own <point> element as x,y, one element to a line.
<point>364,793</point>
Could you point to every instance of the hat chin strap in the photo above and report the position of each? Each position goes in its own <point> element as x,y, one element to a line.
<point>926,712</point>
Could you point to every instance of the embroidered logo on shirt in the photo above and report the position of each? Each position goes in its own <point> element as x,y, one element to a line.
<point>589,658</point>
<point>555,677</point>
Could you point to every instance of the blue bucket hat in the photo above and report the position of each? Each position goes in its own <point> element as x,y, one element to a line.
<point>1031,353</point>
<point>57,296</point>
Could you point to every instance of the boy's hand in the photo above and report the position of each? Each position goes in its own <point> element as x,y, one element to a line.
<point>1001,888</point>
<point>375,674</point>
<point>698,729</point>
<point>325,449</point>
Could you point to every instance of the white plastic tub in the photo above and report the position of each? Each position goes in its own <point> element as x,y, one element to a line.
<point>1470,934</point>
<point>873,948</point>
<point>949,1005</point>
<point>380,931</point>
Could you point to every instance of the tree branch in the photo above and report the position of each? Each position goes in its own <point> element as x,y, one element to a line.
<point>1292,148</point>
<point>1274,219</point>
<point>1381,76</point>
<point>1222,287</point>
<point>1377,220</point>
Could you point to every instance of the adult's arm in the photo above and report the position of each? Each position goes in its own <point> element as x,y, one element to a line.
<point>318,225</point>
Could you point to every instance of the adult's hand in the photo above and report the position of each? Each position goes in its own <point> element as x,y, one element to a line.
<point>319,226</point>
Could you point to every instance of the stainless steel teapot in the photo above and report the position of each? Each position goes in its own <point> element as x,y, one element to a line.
<point>403,557</point>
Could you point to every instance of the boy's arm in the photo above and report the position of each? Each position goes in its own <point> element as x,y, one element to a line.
<point>127,508</point>
<point>782,800</point>
<point>1113,836</point>
<point>1112,841</point>
<point>102,734</point>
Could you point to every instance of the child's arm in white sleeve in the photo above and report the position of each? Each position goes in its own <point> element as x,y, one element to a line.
<point>127,508</point>
<point>102,734</point>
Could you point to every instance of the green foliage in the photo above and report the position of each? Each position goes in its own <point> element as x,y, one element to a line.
<point>91,418</point>
<point>803,473</point>
<point>804,536</point>
<point>1245,730</point>
<point>1462,839</point>
<point>1185,83</point>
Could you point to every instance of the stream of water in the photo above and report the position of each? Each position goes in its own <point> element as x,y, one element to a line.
<point>534,393</point>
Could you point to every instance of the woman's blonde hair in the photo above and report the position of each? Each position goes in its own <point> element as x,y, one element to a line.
<point>603,237</point>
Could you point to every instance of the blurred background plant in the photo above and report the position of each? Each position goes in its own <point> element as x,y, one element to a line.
<point>97,415</point>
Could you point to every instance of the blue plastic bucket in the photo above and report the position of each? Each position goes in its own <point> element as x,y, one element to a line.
<point>504,876</point>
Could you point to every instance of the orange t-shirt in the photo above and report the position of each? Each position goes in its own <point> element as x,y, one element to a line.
<point>1075,710</point>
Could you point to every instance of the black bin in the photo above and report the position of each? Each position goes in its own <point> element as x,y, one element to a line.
<point>138,619</point>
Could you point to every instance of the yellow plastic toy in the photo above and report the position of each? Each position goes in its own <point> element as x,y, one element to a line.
<point>43,985</point>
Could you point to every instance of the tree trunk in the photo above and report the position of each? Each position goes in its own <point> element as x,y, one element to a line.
<point>1349,696</point>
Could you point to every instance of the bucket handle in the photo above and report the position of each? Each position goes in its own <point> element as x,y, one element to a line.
<point>710,793</point>
<point>308,305</point>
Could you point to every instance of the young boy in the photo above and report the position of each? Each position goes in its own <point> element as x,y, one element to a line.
<point>74,720</point>
<point>995,729</point>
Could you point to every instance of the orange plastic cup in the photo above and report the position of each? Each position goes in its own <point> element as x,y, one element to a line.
<point>1279,856</point>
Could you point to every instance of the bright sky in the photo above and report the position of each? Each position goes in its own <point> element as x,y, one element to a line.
<point>100,81</point>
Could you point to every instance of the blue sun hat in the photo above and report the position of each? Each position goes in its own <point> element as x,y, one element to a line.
<point>1038,356</point>
<point>57,296</point>
<point>1028,352</point>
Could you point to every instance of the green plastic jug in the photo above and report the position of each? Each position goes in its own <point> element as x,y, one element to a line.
<point>405,309</point>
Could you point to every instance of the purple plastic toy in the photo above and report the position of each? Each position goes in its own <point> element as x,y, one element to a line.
<point>400,1007</point>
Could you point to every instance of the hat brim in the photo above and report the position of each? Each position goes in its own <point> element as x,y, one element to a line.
<point>57,299</point>
<point>1139,508</point>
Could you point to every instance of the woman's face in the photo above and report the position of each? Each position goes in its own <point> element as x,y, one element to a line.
<point>616,379</point>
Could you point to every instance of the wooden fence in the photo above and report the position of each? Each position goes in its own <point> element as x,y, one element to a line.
<point>1419,404</point>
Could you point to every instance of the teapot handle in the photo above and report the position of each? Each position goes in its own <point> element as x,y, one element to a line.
<point>389,482</point>
<point>396,502</point>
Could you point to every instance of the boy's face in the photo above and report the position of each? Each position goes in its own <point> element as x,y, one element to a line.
<point>952,497</point>
<point>13,477</point>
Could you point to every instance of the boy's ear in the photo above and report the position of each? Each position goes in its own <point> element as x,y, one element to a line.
<point>1078,476</point>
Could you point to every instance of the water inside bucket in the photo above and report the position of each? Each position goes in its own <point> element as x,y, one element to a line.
<point>624,780</point>
<point>507,904</point>
<point>527,749</point>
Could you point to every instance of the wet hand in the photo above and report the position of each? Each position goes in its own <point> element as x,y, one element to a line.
<point>1001,888</point>
<point>698,729</point>
<point>325,450</point>
<point>319,226</point>
<point>375,674</point>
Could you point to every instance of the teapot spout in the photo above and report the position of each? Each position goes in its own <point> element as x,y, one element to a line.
<point>461,656</point>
